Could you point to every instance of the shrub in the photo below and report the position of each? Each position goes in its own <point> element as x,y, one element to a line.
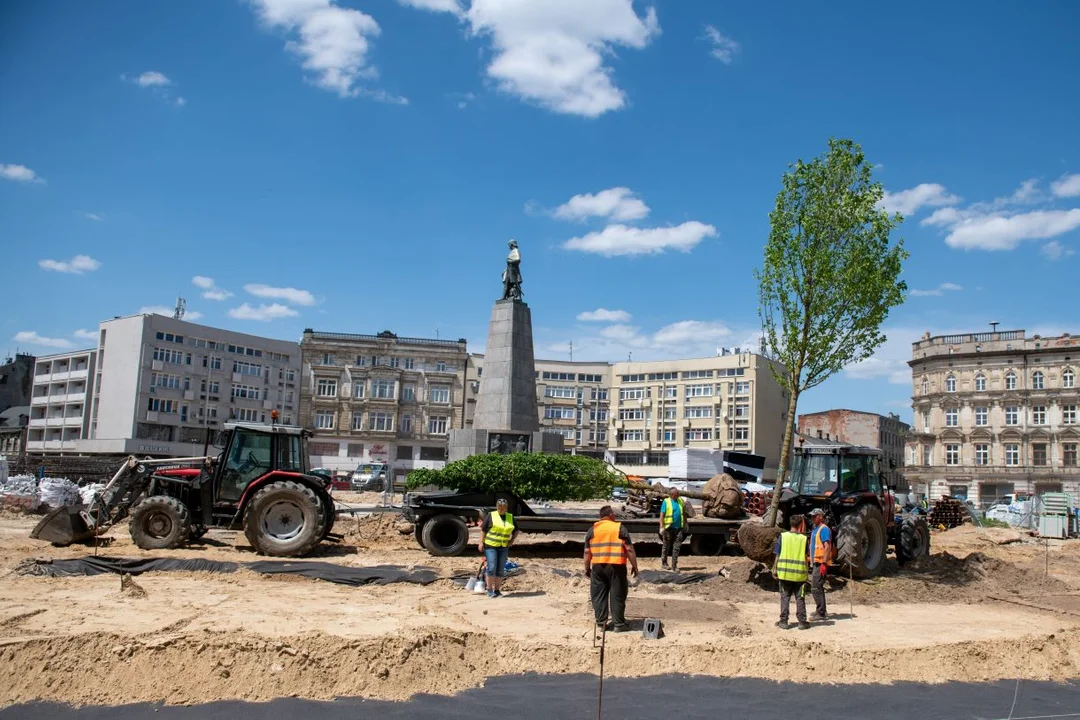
<point>527,475</point>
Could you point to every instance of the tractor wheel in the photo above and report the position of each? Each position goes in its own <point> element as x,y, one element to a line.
<point>160,523</point>
<point>707,544</point>
<point>861,541</point>
<point>445,535</point>
<point>285,519</point>
<point>914,539</point>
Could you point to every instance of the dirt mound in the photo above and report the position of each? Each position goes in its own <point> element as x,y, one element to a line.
<point>387,531</point>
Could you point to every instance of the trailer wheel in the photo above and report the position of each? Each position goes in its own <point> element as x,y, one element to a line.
<point>861,541</point>
<point>160,523</point>
<point>417,532</point>
<point>285,519</point>
<point>707,544</point>
<point>445,535</point>
<point>913,539</point>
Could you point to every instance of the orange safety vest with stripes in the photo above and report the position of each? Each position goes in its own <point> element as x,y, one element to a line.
<point>606,547</point>
<point>819,547</point>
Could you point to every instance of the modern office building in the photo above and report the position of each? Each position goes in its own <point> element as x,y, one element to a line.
<point>381,398</point>
<point>995,414</point>
<point>157,386</point>
<point>571,397</point>
<point>727,402</point>
<point>853,427</point>
<point>60,401</point>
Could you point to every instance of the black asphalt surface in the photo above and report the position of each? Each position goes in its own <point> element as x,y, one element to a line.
<point>568,697</point>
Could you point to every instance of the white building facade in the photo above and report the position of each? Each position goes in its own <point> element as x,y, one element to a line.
<point>60,401</point>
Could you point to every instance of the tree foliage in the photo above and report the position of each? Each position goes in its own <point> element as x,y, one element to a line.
<point>830,274</point>
<point>527,475</point>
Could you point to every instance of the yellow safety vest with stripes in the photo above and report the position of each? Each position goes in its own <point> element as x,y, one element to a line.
<point>502,529</point>
<point>606,547</point>
<point>791,563</point>
<point>668,506</point>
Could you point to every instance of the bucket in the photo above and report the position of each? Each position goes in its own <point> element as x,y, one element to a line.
<point>470,585</point>
<point>480,587</point>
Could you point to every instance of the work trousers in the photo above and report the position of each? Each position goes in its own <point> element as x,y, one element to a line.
<point>817,588</point>
<point>609,585</point>
<point>673,539</point>
<point>789,589</point>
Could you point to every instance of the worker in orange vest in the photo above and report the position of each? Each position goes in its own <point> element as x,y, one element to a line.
<point>607,550</point>
<point>820,553</point>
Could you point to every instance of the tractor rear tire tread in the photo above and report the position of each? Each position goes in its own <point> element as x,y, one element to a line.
<point>315,522</point>
<point>914,542</point>
<point>863,562</point>
<point>179,529</point>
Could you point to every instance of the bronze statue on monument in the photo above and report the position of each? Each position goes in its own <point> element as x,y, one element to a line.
<point>511,276</point>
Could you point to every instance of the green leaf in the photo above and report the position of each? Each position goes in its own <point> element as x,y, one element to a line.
<point>527,475</point>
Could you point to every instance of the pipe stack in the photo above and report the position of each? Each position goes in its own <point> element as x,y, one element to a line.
<point>756,503</point>
<point>948,513</point>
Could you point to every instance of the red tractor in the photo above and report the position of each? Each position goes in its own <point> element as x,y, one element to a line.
<point>261,482</point>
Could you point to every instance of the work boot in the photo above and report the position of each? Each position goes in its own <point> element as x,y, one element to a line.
<point>783,624</point>
<point>819,617</point>
<point>674,568</point>
<point>663,565</point>
<point>621,628</point>
<point>803,625</point>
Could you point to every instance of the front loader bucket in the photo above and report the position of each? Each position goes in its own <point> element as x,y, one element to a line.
<point>62,526</point>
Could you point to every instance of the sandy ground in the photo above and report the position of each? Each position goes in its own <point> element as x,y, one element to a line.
<point>989,604</point>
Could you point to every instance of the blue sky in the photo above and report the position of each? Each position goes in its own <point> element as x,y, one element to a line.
<point>358,165</point>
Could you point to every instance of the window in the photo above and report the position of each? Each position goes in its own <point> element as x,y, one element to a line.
<point>928,455</point>
<point>437,425</point>
<point>249,415</point>
<point>982,454</point>
<point>327,359</point>
<point>1038,453</point>
<point>600,415</point>
<point>699,390</point>
<point>599,394</point>
<point>640,377</point>
<point>246,368</point>
<point>324,420</point>
<point>670,413</point>
<point>162,406</point>
<point>950,384</point>
<point>1012,454</point>
<point>174,357</point>
<point>669,435</point>
<point>410,363</point>
<point>441,366</point>
<point>382,389</point>
<point>406,423</point>
<point>1068,414</point>
<point>212,387</point>
<point>982,416</point>
<point>742,433</point>
<point>358,420</point>
<point>742,388</point>
<point>952,417</point>
<point>213,362</point>
<point>698,412</point>
<point>290,376</point>
<point>439,394</point>
<point>169,337</point>
<point>980,382</point>
<point>1010,380</point>
<point>1068,378</point>
<point>742,410</point>
<point>165,381</point>
<point>395,362</point>
<point>952,454</point>
<point>632,394</point>
<point>926,421</point>
<point>1038,415</point>
<point>1068,454</point>
<point>671,392</point>
<point>1012,415</point>
<point>361,360</point>
<point>632,435</point>
<point>633,414</point>
<point>547,375</point>
<point>326,388</point>
<point>248,392</point>
<point>358,390</point>
<point>553,391</point>
<point>697,374</point>
<point>590,378</point>
<point>380,421</point>
<point>562,413</point>
<point>1037,380</point>
<point>408,393</point>
<point>699,434</point>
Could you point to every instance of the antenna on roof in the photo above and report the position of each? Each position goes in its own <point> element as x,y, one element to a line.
<point>181,308</point>
<point>993,326</point>
<point>571,351</point>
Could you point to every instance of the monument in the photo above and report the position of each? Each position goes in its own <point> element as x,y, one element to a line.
<point>505,419</point>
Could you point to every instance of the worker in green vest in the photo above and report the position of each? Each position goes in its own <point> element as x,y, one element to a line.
<point>497,533</point>
<point>673,514</point>
<point>791,569</point>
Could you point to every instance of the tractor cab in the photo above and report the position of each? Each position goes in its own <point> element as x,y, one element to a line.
<point>250,451</point>
<point>837,474</point>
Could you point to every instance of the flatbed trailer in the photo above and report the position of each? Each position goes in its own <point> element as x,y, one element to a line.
<point>441,521</point>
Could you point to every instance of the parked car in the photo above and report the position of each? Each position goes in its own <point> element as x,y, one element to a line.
<point>335,479</point>
<point>368,477</point>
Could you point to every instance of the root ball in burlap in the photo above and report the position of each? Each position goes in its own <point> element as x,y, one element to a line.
<point>756,540</point>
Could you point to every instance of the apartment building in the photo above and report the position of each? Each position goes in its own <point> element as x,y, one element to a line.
<point>995,414</point>
<point>572,399</point>
<point>381,398</point>
<point>887,433</point>
<point>727,402</point>
<point>16,381</point>
<point>156,386</point>
<point>60,400</point>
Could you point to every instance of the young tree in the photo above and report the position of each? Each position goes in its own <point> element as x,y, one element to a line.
<point>829,278</point>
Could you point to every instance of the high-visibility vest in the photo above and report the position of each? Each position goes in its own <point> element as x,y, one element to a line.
<point>791,563</point>
<point>819,547</point>
<point>606,547</point>
<point>502,529</point>
<point>668,509</point>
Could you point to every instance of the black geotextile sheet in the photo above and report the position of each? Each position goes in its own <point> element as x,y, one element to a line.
<point>341,574</point>
<point>663,577</point>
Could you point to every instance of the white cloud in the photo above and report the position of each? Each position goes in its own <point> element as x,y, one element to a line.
<point>20,173</point>
<point>86,334</point>
<point>210,290</point>
<point>938,291</point>
<point>93,216</point>
<point>618,203</point>
<point>152,78</point>
<point>604,315</point>
<point>691,331</point>
<point>1054,250</point>
<point>908,202</point>
<point>76,266</point>
<point>263,313</point>
<point>724,48</point>
<point>624,240</point>
<point>288,294</point>
<point>32,338</point>
<point>450,6</point>
<point>464,99</point>
<point>1066,186</point>
<point>168,311</point>
<point>180,102</point>
<point>625,334</point>
<point>332,41</point>
<point>681,339</point>
<point>1005,232</point>
<point>890,360</point>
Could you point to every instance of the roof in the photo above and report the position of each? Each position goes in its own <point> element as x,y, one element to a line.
<point>10,417</point>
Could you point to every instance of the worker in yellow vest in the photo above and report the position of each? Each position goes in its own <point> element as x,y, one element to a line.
<point>673,514</point>
<point>607,550</point>
<point>792,571</point>
<point>497,533</point>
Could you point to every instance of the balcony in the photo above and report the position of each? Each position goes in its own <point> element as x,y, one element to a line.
<point>39,400</point>
<point>38,422</point>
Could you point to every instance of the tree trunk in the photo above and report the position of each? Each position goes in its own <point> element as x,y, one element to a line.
<point>785,454</point>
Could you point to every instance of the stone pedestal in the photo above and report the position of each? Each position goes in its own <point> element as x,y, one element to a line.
<point>477,441</point>
<point>507,397</point>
